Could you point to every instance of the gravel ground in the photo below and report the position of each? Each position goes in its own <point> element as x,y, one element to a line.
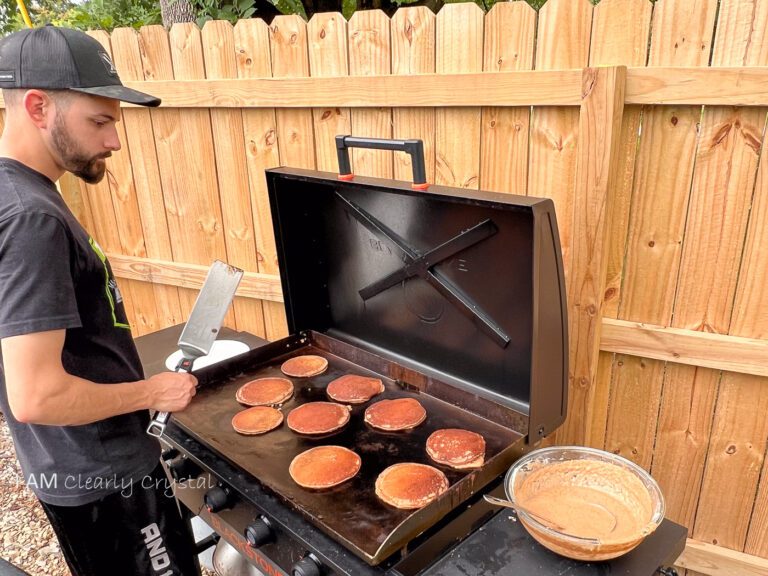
<point>26,538</point>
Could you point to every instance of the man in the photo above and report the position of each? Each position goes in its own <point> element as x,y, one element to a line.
<point>71,384</point>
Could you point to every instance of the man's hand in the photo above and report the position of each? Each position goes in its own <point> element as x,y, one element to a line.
<point>171,391</point>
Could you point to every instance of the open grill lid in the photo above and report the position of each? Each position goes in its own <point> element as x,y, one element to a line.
<point>466,286</point>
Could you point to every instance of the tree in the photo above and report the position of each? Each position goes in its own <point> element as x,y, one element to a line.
<point>175,11</point>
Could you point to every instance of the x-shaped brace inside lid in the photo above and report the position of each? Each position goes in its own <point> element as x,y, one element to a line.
<point>424,266</point>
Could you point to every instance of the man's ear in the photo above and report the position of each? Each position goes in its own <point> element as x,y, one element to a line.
<point>39,107</point>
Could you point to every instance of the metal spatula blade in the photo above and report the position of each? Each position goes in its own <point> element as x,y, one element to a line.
<point>203,325</point>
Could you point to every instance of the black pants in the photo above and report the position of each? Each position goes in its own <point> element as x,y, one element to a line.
<point>137,532</point>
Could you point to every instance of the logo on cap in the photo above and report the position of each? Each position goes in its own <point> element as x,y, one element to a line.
<point>108,63</point>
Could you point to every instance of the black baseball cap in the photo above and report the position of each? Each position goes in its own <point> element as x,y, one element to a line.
<point>56,58</point>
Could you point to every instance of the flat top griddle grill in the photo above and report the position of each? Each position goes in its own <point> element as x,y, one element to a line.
<point>350,512</point>
<point>455,297</point>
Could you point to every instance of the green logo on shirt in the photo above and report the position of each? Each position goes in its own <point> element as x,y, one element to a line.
<point>111,289</point>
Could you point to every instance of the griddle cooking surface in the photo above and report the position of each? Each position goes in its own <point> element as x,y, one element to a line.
<point>350,512</point>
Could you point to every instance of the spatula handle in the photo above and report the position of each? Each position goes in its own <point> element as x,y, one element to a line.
<point>157,425</point>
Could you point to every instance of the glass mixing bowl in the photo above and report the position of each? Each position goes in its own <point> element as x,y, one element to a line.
<point>584,503</point>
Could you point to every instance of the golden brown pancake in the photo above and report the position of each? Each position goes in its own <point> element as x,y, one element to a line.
<point>304,366</point>
<point>265,391</point>
<point>324,466</point>
<point>318,417</point>
<point>354,389</point>
<point>398,414</point>
<point>456,448</point>
<point>257,420</point>
<point>409,485</point>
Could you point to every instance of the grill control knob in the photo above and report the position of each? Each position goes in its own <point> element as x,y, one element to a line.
<point>307,566</point>
<point>258,533</point>
<point>183,469</point>
<point>216,499</point>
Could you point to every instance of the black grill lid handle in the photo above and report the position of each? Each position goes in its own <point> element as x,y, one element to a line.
<point>415,148</point>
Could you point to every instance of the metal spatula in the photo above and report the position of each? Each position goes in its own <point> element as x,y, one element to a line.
<point>203,324</point>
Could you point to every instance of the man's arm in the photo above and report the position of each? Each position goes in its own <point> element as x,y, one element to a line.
<point>40,391</point>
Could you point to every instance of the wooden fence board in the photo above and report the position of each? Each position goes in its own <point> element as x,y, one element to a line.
<point>290,58</point>
<point>413,52</point>
<point>562,41</point>
<point>110,223</point>
<point>659,202</point>
<point>619,37</point>
<point>260,133</point>
<point>714,237</point>
<point>370,55</point>
<point>510,29</point>
<point>459,48</point>
<point>232,173</point>
<point>751,317</point>
<point>177,155</point>
<point>73,195</point>
<point>140,140</point>
<point>737,447</point>
<point>187,156</point>
<point>327,34</point>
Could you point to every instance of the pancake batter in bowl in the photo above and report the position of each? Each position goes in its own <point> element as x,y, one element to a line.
<point>589,499</point>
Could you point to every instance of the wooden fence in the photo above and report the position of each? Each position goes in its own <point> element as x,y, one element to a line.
<point>644,122</point>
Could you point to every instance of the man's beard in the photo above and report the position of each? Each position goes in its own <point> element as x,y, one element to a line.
<point>89,168</point>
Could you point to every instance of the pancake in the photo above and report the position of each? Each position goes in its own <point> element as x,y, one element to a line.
<point>324,467</point>
<point>265,391</point>
<point>398,414</point>
<point>409,485</point>
<point>318,417</point>
<point>354,389</point>
<point>456,448</point>
<point>304,366</point>
<point>257,420</point>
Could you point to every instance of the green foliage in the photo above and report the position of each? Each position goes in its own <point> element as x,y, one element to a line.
<point>87,15</point>
<point>234,10</point>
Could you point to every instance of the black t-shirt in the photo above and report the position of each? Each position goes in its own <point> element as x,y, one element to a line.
<point>54,276</point>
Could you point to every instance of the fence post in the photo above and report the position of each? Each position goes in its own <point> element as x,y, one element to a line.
<point>600,116</point>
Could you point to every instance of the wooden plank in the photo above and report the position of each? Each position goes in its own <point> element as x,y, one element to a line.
<point>718,212</point>
<point>121,183</point>
<point>619,37</point>
<point>260,132</point>
<point>105,220</point>
<point>510,29</point>
<point>687,85</point>
<point>78,203</point>
<point>718,561</point>
<point>254,285</point>
<point>369,55</point>
<point>662,85</point>
<point>413,52</point>
<point>327,34</point>
<point>691,347</point>
<point>660,192</point>
<point>188,169</point>
<point>149,195</point>
<point>562,41</point>
<point>166,123</point>
<point>751,317</point>
<point>596,176</point>
<point>232,173</point>
<point>295,136</point>
<point>459,48</point>
<point>739,431</point>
